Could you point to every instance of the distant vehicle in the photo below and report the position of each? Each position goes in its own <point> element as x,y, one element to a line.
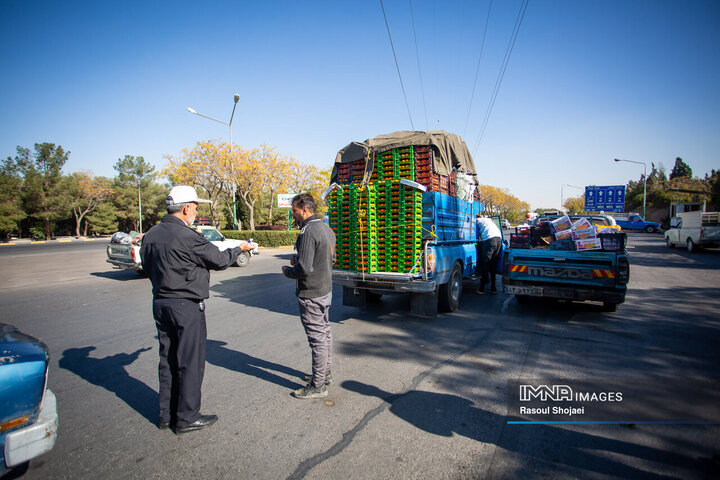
<point>505,224</point>
<point>216,238</point>
<point>694,230</point>
<point>123,251</point>
<point>126,254</point>
<point>634,222</point>
<point>28,414</point>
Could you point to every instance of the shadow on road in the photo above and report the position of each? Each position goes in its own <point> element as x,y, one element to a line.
<point>122,275</point>
<point>446,415</point>
<point>269,291</point>
<point>109,373</point>
<point>219,355</point>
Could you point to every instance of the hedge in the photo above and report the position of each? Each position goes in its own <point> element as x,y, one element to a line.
<point>265,238</point>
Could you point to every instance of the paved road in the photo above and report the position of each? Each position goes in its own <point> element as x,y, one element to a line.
<point>415,398</point>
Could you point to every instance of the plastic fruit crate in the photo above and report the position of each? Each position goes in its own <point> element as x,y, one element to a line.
<point>613,242</point>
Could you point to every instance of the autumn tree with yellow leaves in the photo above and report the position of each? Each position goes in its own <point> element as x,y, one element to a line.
<point>214,167</point>
<point>500,202</point>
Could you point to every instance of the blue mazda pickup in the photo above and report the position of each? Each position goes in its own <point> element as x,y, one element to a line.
<point>28,410</point>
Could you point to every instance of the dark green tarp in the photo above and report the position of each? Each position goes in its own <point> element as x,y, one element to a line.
<point>450,151</point>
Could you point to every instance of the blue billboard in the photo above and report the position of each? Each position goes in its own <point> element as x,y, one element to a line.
<point>605,199</point>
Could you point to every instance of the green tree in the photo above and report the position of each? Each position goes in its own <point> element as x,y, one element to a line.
<point>87,194</point>
<point>45,195</point>
<point>681,169</point>
<point>575,204</point>
<point>103,219</point>
<point>713,182</point>
<point>135,176</point>
<point>11,183</point>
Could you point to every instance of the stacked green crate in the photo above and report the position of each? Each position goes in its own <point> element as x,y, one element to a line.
<point>406,163</point>
<point>366,234</point>
<point>413,227</point>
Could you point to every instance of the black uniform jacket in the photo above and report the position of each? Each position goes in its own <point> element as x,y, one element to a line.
<point>177,259</point>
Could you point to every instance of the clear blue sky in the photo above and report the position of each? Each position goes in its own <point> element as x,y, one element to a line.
<point>587,81</point>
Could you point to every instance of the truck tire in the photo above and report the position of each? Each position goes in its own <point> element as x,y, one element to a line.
<point>373,297</point>
<point>450,292</point>
<point>243,259</point>
<point>691,247</point>
<point>650,229</point>
<point>609,307</point>
<point>669,243</point>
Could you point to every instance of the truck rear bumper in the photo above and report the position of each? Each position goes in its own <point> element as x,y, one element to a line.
<point>563,292</point>
<point>391,282</point>
<point>124,264</point>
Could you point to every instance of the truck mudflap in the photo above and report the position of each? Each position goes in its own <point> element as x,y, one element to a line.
<point>384,281</point>
<point>562,292</point>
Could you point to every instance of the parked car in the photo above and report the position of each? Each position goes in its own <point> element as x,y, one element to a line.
<point>216,238</point>
<point>505,224</point>
<point>126,254</point>
<point>634,222</point>
<point>694,230</point>
<point>28,409</point>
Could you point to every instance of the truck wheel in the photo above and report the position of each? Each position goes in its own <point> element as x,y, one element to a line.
<point>373,297</point>
<point>243,259</point>
<point>650,229</point>
<point>669,243</point>
<point>609,306</point>
<point>450,292</point>
<point>691,245</point>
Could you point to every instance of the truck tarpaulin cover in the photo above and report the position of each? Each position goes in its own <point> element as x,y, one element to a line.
<point>450,151</point>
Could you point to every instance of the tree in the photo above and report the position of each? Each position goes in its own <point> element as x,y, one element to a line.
<point>134,176</point>
<point>45,195</point>
<point>575,204</point>
<point>208,166</point>
<point>87,194</point>
<point>681,169</point>
<point>500,202</point>
<point>103,219</point>
<point>11,184</point>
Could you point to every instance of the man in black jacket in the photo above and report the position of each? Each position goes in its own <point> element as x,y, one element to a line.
<point>312,269</point>
<point>178,259</point>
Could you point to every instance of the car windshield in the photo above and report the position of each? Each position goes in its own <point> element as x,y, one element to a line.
<point>212,235</point>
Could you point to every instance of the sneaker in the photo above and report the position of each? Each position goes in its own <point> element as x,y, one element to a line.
<point>493,289</point>
<point>480,291</point>
<point>308,391</point>
<point>329,380</point>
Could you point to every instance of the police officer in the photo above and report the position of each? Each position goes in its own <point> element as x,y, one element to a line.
<point>178,259</point>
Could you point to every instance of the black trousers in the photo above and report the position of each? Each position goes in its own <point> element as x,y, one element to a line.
<point>487,254</point>
<point>182,334</point>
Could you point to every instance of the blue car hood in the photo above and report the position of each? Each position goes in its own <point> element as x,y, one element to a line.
<point>23,364</point>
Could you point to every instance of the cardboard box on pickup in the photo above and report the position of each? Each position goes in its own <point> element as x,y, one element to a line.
<point>588,244</point>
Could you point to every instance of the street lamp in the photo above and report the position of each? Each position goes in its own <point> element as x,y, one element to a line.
<point>232,162</point>
<point>562,196</point>
<point>644,178</point>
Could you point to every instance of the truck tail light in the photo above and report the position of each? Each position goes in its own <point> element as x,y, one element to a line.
<point>623,270</point>
<point>132,254</point>
<point>431,261</point>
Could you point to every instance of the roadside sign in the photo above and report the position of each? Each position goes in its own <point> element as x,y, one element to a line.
<point>609,198</point>
<point>283,201</point>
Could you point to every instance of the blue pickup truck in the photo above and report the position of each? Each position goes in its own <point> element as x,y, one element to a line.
<point>600,276</point>
<point>635,222</point>
<point>448,258</point>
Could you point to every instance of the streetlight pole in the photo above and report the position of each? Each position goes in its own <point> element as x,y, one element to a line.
<point>644,178</point>
<point>236,97</point>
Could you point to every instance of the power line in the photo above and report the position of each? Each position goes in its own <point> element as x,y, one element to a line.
<point>477,70</point>
<point>396,64</point>
<point>417,55</point>
<point>501,75</point>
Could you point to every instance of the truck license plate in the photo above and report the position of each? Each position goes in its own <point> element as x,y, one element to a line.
<point>532,291</point>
